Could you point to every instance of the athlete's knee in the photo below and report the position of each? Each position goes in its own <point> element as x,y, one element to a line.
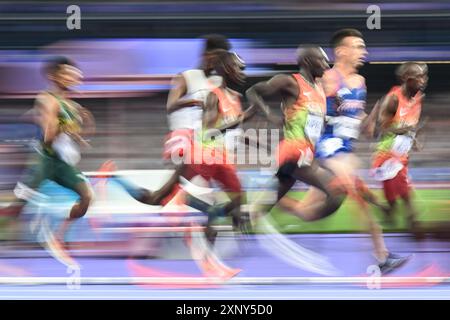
<point>86,199</point>
<point>332,204</point>
<point>337,187</point>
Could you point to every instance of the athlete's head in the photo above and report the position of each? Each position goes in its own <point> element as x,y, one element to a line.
<point>313,59</point>
<point>216,41</point>
<point>213,42</point>
<point>229,66</point>
<point>63,72</point>
<point>414,75</point>
<point>349,47</point>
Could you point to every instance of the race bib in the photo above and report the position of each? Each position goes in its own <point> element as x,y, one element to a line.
<point>313,127</point>
<point>66,149</point>
<point>402,145</point>
<point>346,127</point>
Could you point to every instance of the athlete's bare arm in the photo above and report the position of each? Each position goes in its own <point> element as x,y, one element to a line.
<point>388,109</point>
<point>417,145</point>
<point>88,121</point>
<point>329,83</point>
<point>211,110</point>
<point>282,85</point>
<point>175,100</point>
<point>369,123</point>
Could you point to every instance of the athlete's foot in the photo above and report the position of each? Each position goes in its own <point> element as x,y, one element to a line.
<point>392,262</point>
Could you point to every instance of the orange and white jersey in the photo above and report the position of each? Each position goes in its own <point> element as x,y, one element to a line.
<point>408,110</point>
<point>229,106</point>
<point>198,87</point>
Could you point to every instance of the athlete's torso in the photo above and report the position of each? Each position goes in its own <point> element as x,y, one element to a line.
<point>69,120</point>
<point>345,108</point>
<point>305,117</point>
<point>198,86</point>
<point>407,114</point>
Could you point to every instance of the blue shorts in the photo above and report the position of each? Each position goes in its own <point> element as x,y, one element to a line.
<point>328,146</point>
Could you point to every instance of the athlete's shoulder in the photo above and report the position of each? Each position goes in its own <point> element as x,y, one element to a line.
<point>330,82</point>
<point>285,76</point>
<point>394,92</point>
<point>360,79</point>
<point>46,98</point>
<point>282,80</point>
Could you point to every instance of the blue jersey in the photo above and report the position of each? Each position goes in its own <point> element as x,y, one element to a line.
<point>344,109</point>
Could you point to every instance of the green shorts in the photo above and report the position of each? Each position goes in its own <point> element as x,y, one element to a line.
<point>49,167</point>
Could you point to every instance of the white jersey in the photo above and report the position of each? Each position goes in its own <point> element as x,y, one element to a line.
<point>198,86</point>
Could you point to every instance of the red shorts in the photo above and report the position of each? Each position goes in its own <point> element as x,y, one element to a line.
<point>225,174</point>
<point>398,186</point>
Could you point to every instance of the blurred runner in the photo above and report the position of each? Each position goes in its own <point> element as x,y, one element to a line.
<point>398,116</point>
<point>204,156</point>
<point>63,124</point>
<point>346,98</point>
<point>304,108</point>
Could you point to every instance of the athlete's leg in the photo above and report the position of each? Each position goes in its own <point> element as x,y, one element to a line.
<point>26,188</point>
<point>321,179</point>
<point>78,210</point>
<point>404,191</point>
<point>71,178</point>
<point>138,193</point>
<point>369,196</point>
<point>344,166</point>
<point>84,191</point>
<point>227,177</point>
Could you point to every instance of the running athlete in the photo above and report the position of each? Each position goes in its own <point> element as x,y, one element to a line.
<point>63,123</point>
<point>222,112</point>
<point>346,93</point>
<point>398,116</point>
<point>346,98</point>
<point>213,164</point>
<point>188,95</point>
<point>184,106</point>
<point>304,108</point>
